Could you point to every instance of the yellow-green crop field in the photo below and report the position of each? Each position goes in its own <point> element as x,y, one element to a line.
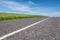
<point>9,16</point>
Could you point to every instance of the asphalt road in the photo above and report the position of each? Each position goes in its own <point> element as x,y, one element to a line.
<point>47,30</point>
<point>12,25</point>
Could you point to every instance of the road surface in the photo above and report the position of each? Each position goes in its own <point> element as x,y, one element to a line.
<point>46,30</point>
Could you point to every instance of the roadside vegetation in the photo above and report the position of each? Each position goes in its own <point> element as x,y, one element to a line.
<point>10,16</point>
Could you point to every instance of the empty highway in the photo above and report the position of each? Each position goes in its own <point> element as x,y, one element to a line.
<point>42,29</point>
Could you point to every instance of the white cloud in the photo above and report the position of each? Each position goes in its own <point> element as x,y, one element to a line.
<point>14,6</point>
<point>31,3</point>
<point>56,14</point>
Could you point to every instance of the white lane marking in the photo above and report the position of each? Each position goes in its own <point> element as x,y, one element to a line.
<point>14,32</point>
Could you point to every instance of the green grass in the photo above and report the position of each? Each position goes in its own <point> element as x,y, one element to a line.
<point>10,16</point>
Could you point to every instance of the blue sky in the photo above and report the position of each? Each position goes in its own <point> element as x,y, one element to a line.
<point>38,7</point>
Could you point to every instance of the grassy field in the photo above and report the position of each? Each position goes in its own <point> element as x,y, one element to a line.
<point>9,16</point>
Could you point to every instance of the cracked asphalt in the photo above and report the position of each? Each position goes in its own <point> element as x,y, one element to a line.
<point>47,30</point>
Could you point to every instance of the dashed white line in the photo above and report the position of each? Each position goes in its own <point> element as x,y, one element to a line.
<point>14,32</point>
